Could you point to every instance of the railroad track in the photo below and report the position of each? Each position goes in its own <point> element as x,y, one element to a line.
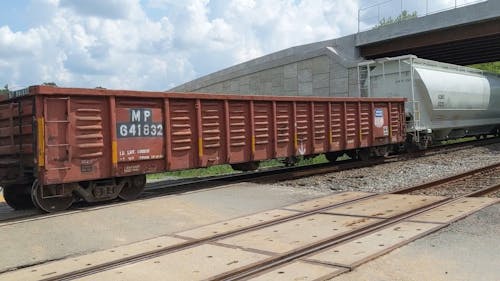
<point>314,209</point>
<point>319,169</point>
<point>478,182</point>
<point>269,175</point>
<point>289,257</point>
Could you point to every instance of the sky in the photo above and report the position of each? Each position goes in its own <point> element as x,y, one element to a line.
<point>158,44</point>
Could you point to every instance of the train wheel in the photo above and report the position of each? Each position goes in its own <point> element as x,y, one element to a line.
<point>49,202</point>
<point>17,197</point>
<point>133,188</point>
<point>332,156</point>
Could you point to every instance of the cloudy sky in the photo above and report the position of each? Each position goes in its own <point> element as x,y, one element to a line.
<point>158,44</point>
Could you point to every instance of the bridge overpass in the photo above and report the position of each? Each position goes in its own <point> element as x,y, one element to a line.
<point>465,35</point>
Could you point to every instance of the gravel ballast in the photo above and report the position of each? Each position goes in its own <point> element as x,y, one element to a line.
<point>391,176</point>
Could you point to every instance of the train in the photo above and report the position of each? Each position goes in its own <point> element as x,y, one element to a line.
<point>61,145</point>
<point>444,101</point>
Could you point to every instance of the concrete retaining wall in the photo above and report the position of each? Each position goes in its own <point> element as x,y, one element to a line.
<point>325,68</point>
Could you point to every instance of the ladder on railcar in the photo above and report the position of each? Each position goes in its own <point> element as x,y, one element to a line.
<point>59,143</point>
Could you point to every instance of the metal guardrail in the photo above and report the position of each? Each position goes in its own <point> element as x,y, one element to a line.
<point>370,16</point>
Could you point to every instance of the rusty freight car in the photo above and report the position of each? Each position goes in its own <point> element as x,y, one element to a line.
<point>62,144</point>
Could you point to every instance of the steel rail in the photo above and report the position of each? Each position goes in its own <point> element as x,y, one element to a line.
<point>485,191</point>
<point>268,175</point>
<point>326,168</point>
<point>168,187</point>
<point>191,243</point>
<point>251,270</point>
<point>338,239</point>
<point>447,179</point>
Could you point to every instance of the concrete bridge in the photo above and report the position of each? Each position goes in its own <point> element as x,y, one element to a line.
<point>465,35</point>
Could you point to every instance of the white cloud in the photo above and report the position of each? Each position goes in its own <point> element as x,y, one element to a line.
<point>120,44</point>
<point>268,26</point>
<point>110,9</point>
<point>77,50</point>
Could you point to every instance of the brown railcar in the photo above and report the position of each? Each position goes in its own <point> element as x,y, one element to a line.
<point>97,144</point>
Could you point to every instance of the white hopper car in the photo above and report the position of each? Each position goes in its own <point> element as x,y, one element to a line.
<point>444,101</point>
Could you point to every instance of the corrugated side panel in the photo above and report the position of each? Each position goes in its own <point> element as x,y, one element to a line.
<point>213,133</point>
<point>337,123</point>
<point>89,136</point>
<point>284,129</point>
<point>88,133</point>
<point>365,126</point>
<point>182,123</point>
<point>76,142</point>
<point>239,132</point>
<point>351,125</point>
<point>303,129</point>
<point>320,127</point>
<point>16,138</point>
<point>263,126</point>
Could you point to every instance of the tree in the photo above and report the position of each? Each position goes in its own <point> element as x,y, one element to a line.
<point>5,90</point>
<point>405,15</point>
<point>493,67</point>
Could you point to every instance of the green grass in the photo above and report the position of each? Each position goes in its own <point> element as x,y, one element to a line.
<point>311,161</point>
<point>194,173</point>
<point>493,67</point>
<point>226,169</point>
<point>458,140</point>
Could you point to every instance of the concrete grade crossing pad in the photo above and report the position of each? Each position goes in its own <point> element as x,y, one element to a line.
<point>297,233</point>
<point>211,259</point>
<point>300,270</point>
<point>325,201</point>
<point>46,270</point>
<point>37,240</point>
<point>353,253</point>
<point>455,210</point>
<point>357,251</point>
<point>386,205</point>
<point>197,263</point>
<point>235,224</point>
<point>271,215</point>
<point>465,250</point>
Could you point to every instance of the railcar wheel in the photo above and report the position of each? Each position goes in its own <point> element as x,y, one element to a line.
<point>17,197</point>
<point>47,202</point>
<point>332,156</point>
<point>133,188</point>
